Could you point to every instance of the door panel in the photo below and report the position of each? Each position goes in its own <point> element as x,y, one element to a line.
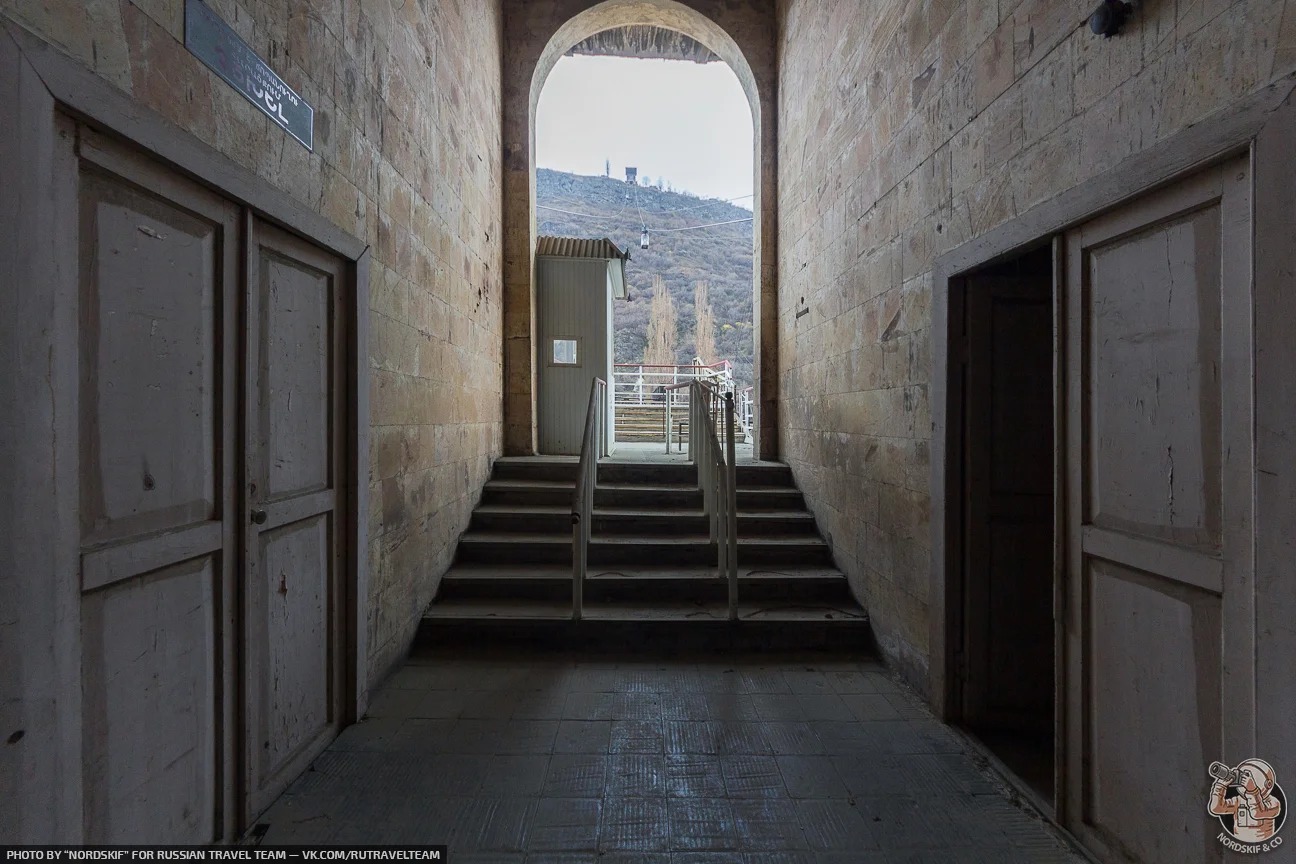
<point>1164,702</point>
<point>1154,437</point>
<point>293,599</point>
<point>149,660</point>
<point>149,376</point>
<point>1159,582</point>
<point>297,339</point>
<point>295,620</point>
<point>157,262</point>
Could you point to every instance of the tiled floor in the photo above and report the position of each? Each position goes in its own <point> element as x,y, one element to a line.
<point>549,758</point>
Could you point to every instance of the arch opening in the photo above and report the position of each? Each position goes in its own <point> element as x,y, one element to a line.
<point>537,36</point>
<point>688,226</point>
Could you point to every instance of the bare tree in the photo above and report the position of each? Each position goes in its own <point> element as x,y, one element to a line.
<point>659,347</point>
<point>704,334</point>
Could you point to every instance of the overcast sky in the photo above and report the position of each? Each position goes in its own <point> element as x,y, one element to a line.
<point>685,122</point>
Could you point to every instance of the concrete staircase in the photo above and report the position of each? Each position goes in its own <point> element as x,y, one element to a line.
<point>652,568</point>
<point>642,422</point>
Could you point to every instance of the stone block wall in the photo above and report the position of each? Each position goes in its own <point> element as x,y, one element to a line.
<point>906,128</point>
<point>407,157</point>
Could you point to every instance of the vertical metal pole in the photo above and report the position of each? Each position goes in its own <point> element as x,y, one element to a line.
<point>731,507</point>
<point>669,393</point>
<point>578,557</point>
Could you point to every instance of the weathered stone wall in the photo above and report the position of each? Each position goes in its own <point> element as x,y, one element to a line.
<point>906,130</point>
<point>407,157</point>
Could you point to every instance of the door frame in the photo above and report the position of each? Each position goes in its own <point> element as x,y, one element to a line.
<point>1262,125</point>
<point>45,87</point>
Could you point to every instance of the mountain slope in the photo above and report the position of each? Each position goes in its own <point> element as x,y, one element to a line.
<point>720,255</point>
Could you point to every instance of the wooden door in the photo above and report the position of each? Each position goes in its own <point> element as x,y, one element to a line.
<point>158,259</point>
<point>293,651</point>
<point>1160,635</point>
<point>1008,612</point>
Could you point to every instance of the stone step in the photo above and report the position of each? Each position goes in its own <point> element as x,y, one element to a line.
<point>681,521</point>
<point>647,496</point>
<point>789,585</point>
<point>528,549</point>
<point>670,625</point>
<point>633,496</point>
<point>528,493</point>
<point>556,518</point>
<point>610,473</point>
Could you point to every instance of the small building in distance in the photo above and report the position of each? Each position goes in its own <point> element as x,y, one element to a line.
<point>576,282</point>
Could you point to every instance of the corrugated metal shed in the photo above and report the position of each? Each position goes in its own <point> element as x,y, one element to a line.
<point>572,304</point>
<point>576,247</point>
<point>596,250</point>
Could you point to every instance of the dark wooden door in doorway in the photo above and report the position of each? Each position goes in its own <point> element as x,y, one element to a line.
<point>1008,687</point>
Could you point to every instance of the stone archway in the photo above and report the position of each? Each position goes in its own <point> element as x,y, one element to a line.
<point>536,35</point>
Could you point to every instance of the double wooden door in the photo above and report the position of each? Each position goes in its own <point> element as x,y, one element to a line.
<point>211,403</point>
<point>1159,588</point>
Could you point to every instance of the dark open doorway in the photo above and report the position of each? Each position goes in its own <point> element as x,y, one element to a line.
<point>1007,673</point>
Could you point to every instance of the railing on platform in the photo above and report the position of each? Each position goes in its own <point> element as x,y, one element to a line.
<point>745,413</point>
<point>646,385</point>
<point>594,445</point>
<point>717,476</point>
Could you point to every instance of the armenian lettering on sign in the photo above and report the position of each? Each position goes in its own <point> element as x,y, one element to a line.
<point>212,41</point>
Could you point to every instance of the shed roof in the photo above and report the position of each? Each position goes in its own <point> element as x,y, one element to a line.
<point>575,247</point>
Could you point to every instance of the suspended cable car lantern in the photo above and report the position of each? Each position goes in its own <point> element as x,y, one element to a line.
<point>643,238</point>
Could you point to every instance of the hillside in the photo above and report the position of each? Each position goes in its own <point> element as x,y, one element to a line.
<point>722,256</point>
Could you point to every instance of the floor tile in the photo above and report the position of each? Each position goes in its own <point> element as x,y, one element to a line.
<point>752,777</point>
<point>583,705</point>
<point>583,736</point>
<point>513,776</point>
<point>694,775</point>
<point>565,824</point>
<point>639,824</point>
<point>811,777</point>
<point>690,737</point>
<point>769,824</point>
<point>835,825</point>
<point>636,774</point>
<point>636,736</point>
<point>869,706</point>
<point>824,706</point>
<point>576,776</point>
<point>701,824</point>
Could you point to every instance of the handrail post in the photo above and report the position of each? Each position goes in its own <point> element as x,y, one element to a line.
<point>731,507</point>
<point>669,394</point>
<point>582,510</point>
<point>578,565</point>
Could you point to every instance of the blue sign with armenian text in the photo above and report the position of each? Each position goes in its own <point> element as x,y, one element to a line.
<point>212,41</point>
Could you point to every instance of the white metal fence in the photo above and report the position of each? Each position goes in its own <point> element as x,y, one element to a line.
<point>655,386</point>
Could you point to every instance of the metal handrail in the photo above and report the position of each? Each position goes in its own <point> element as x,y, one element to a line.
<point>717,478</point>
<point>669,391</point>
<point>594,444</point>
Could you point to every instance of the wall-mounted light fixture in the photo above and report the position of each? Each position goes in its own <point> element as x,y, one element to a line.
<point>1110,16</point>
